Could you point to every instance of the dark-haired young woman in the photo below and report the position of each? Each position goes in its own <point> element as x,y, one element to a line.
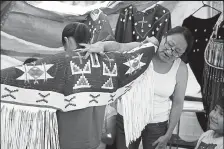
<point>79,129</point>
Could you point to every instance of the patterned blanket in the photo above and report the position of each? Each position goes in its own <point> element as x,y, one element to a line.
<point>64,82</point>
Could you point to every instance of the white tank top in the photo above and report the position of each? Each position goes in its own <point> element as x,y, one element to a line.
<point>164,87</point>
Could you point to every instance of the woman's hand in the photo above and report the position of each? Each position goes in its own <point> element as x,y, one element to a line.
<point>97,47</point>
<point>161,142</point>
<point>152,40</point>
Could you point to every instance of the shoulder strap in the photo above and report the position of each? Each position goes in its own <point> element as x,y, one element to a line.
<point>175,66</point>
<point>218,25</point>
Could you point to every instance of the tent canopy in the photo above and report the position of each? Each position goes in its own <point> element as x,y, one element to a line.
<point>31,30</point>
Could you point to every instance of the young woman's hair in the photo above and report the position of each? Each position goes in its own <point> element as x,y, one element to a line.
<point>30,60</point>
<point>186,33</point>
<point>79,31</point>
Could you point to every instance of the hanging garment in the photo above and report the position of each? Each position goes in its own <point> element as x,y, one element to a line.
<point>213,73</point>
<point>201,30</point>
<point>124,27</point>
<point>99,26</point>
<point>134,25</point>
<point>32,93</point>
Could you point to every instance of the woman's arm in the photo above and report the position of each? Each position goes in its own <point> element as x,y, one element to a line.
<point>115,46</point>
<point>109,46</point>
<point>178,99</point>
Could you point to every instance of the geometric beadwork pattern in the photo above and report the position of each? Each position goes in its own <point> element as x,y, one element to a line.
<point>82,83</point>
<point>94,98</point>
<point>134,64</point>
<point>70,102</point>
<point>108,84</point>
<point>112,97</point>
<point>38,72</point>
<point>9,93</point>
<point>43,97</point>
<point>107,72</point>
<point>77,70</point>
<point>94,60</point>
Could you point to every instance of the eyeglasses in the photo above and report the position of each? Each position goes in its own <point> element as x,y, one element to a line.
<point>174,52</point>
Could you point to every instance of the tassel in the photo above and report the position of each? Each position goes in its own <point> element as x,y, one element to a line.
<point>26,127</point>
<point>137,105</point>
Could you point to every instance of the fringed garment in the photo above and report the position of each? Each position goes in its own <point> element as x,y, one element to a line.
<point>25,127</point>
<point>138,110</point>
<point>31,93</point>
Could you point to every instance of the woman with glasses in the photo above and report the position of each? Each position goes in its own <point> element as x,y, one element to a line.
<point>170,80</point>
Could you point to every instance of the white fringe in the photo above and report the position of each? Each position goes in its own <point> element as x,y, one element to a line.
<point>24,127</point>
<point>137,105</point>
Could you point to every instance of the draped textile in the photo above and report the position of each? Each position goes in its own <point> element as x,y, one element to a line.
<point>33,92</point>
